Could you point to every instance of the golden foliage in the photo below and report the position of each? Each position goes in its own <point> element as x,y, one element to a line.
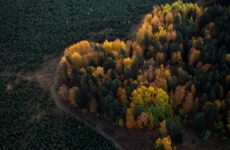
<point>72,96</point>
<point>170,27</point>
<point>143,95</point>
<point>121,92</point>
<point>76,60</point>
<point>145,30</point>
<point>194,56</point>
<point>162,96</point>
<point>178,96</point>
<point>166,142</point>
<point>155,21</point>
<point>130,120</point>
<point>98,71</point>
<point>114,46</point>
<point>147,18</point>
<point>171,36</point>
<point>161,33</point>
<point>82,47</point>
<point>127,62</point>
<point>163,72</point>
<point>169,17</point>
<point>137,49</point>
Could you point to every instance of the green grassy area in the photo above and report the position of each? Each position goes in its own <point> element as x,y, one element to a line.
<point>31,29</point>
<point>28,122</point>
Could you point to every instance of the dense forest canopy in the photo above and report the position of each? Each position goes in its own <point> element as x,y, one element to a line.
<point>176,68</point>
<point>152,74</point>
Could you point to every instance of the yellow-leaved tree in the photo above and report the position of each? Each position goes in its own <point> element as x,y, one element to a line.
<point>114,46</point>
<point>165,142</point>
<point>143,95</point>
<point>72,96</point>
<point>82,47</point>
<point>76,60</point>
<point>127,62</point>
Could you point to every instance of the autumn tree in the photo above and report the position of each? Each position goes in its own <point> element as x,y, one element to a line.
<point>121,93</point>
<point>82,47</point>
<point>188,103</point>
<point>72,96</point>
<point>178,96</point>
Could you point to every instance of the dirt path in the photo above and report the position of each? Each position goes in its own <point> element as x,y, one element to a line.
<point>44,75</point>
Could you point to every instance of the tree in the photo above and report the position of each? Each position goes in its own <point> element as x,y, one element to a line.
<point>161,83</point>
<point>72,96</point>
<point>121,93</point>
<point>142,120</point>
<point>165,142</point>
<point>176,57</point>
<point>127,62</point>
<point>98,71</point>
<point>145,31</point>
<point>174,128</point>
<point>172,82</point>
<point>188,104</point>
<point>109,64</point>
<point>199,122</point>
<point>130,120</point>
<point>137,49</point>
<point>194,56</point>
<point>169,17</point>
<point>178,96</point>
<point>160,57</point>
<point>142,95</point>
<point>163,128</point>
<point>75,60</point>
<point>82,47</point>
<point>65,67</point>
<point>161,96</point>
<point>155,21</point>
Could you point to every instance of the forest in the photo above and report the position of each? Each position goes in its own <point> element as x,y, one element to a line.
<point>106,74</point>
<point>174,72</point>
